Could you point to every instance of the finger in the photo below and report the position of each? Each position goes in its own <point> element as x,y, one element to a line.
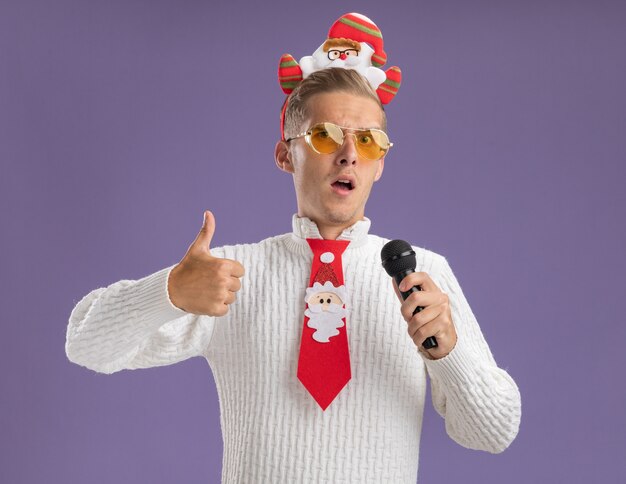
<point>418,279</point>
<point>204,237</point>
<point>234,284</point>
<point>420,298</point>
<point>436,328</point>
<point>221,310</point>
<point>230,298</point>
<point>236,269</point>
<point>423,318</point>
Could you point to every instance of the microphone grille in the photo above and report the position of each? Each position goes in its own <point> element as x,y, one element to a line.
<point>395,248</point>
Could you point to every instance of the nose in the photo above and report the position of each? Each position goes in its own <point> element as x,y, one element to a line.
<point>342,56</point>
<point>348,154</point>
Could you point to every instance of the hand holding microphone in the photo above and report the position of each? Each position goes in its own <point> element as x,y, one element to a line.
<point>425,307</point>
<point>201,283</point>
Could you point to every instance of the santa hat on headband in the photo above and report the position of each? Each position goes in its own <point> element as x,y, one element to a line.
<point>355,26</point>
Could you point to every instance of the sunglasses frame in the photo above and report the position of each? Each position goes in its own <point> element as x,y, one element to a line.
<point>307,136</point>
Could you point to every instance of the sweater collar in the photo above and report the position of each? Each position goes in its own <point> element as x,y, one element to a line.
<point>305,228</point>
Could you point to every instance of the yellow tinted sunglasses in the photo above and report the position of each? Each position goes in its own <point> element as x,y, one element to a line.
<point>326,138</point>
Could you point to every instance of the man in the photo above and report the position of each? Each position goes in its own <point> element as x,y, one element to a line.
<point>241,307</point>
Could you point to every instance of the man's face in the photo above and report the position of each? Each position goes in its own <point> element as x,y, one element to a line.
<point>319,197</point>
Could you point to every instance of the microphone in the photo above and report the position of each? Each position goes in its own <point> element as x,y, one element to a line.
<point>398,260</point>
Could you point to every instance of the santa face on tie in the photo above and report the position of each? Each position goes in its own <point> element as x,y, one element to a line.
<point>325,310</point>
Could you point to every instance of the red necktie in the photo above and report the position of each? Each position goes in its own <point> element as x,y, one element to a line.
<point>324,362</point>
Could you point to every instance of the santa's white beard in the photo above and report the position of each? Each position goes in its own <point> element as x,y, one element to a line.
<point>325,322</point>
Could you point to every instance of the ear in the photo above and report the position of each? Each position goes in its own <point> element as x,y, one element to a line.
<point>381,166</point>
<point>283,157</point>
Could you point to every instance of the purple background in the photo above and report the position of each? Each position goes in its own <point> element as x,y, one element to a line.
<point>121,121</point>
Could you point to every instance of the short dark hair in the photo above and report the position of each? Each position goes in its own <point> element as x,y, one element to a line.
<point>326,80</point>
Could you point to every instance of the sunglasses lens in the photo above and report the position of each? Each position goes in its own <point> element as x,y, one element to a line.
<point>372,143</point>
<point>326,137</point>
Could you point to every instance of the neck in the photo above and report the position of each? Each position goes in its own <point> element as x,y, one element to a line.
<point>306,228</point>
<point>330,231</point>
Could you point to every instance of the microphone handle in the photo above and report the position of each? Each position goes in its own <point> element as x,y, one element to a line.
<point>431,341</point>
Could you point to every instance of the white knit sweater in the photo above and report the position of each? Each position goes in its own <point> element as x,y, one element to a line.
<point>273,430</point>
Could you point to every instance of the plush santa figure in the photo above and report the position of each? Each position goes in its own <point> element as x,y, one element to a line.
<point>354,42</point>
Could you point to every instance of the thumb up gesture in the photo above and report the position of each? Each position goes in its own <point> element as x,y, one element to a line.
<point>201,283</point>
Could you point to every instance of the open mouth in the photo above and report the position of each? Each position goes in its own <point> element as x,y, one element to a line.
<point>345,185</point>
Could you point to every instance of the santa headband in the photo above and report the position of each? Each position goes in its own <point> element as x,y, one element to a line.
<point>354,42</point>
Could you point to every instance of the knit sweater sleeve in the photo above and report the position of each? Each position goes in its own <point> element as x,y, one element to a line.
<point>133,324</point>
<point>480,402</point>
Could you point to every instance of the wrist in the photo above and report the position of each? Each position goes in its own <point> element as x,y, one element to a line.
<point>172,293</point>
